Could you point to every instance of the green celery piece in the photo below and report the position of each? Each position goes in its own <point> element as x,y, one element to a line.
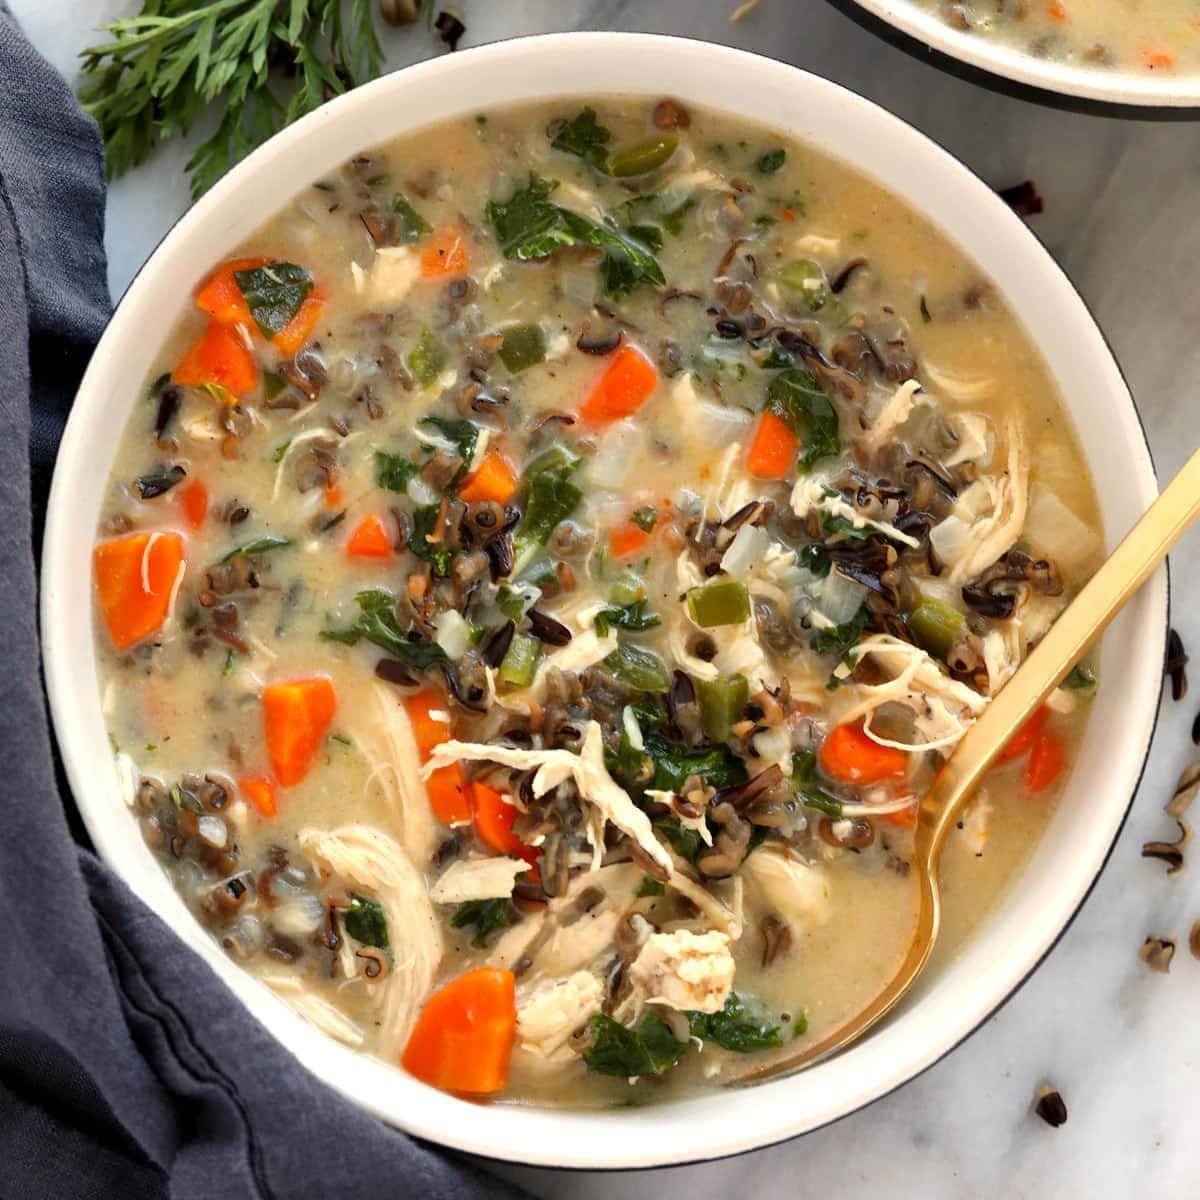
<point>640,668</point>
<point>935,625</point>
<point>722,602</point>
<point>523,346</point>
<point>520,663</point>
<point>806,277</point>
<point>643,158</point>
<point>426,359</point>
<point>722,702</point>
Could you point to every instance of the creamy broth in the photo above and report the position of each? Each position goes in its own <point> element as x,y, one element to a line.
<point>788,493</point>
<point>1158,37</point>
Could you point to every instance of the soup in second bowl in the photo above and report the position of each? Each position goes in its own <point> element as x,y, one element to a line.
<point>1130,36</point>
<point>553,561</point>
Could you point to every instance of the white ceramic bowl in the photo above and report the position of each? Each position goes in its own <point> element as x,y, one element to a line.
<point>1064,867</point>
<point>1085,83</point>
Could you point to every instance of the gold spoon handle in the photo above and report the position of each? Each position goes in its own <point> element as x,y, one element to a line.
<point>1070,637</point>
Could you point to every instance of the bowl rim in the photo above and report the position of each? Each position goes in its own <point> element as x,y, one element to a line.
<point>1091,89</point>
<point>547,1137</point>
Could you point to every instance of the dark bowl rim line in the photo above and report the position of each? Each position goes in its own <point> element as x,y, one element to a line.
<point>993,81</point>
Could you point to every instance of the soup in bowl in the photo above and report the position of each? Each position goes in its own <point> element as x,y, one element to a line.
<point>544,566</point>
<point>1139,52</point>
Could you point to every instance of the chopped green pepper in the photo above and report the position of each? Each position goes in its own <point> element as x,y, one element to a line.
<point>523,346</point>
<point>426,359</point>
<point>628,588</point>
<point>643,158</point>
<point>935,625</point>
<point>638,667</point>
<point>722,602</point>
<point>806,277</point>
<point>520,663</point>
<point>721,704</point>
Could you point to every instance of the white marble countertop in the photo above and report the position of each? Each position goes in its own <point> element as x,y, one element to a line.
<point>1117,1040</point>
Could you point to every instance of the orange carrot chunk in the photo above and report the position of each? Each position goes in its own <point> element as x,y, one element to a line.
<point>221,297</point>
<point>463,1040</point>
<point>623,388</point>
<point>1046,761</point>
<point>627,539</point>
<point>195,503</point>
<point>445,788</point>
<point>370,539</point>
<point>296,717</point>
<point>135,576</point>
<point>260,791</point>
<point>494,818</point>
<point>494,479</point>
<point>447,792</point>
<point>300,328</point>
<point>850,756</point>
<point>905,818</point>
<point>219,357</point>
<point>1022,741</point>
<point>445,253</point>
<point>772,449</point>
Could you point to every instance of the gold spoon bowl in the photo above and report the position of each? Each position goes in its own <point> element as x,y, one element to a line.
<point>1069,639</point>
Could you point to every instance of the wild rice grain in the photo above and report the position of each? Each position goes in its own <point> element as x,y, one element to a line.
<point>1175,667</point>
<point>1051,1107</point>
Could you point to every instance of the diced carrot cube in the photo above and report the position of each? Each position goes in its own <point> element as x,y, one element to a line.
<point>370,539</point>
<point>218,357</point>
<point>445,253</point>
<point>625,386</point>
<point>772,449</point>
<point>494,479</point>
<point>135,577</point>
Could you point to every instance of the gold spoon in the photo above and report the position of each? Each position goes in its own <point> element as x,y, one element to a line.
<point>1080,624</point>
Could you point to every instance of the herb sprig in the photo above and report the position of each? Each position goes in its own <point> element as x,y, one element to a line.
<point>176,60</point>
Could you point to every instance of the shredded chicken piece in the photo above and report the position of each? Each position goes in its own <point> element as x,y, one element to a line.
<point>391,277</point>
<point>713,910</point>
<point>793,889</point>
<point>732,488</point>
<point>814,493</point>
<point>814,245</point>
<point>315,1010</point>
<point>974,440</point>
<point>697,823</point>
<point>595,784</point>
<point>477,879</point>
<point>584,650</point>
<point>368,859</point>
<point>988,537</point>
<point>964,389</point>
<point>943,709</point>
<point>548,1016</point>
<point>390,744</point>
<point>1002,650</point>
<point>571,940</point>
<point>690,972</point>
<point>896,409</point>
